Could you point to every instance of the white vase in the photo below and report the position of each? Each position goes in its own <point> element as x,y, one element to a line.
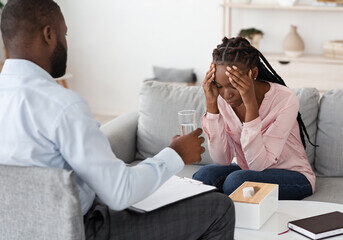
<point>293,45</point>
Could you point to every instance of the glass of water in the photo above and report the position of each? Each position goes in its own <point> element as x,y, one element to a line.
<point>187,121</point>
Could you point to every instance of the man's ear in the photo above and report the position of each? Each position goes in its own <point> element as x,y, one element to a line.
<point>49,36</point>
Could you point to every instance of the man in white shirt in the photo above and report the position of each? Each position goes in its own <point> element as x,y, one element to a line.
<point>43,124</point>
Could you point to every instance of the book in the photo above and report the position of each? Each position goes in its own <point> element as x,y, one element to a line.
<point>319,227</point>
<point>172,191</point>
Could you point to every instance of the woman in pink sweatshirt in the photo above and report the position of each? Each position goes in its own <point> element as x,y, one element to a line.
<point>252,115</point>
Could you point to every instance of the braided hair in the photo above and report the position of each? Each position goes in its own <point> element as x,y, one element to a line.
<point>239,49</point>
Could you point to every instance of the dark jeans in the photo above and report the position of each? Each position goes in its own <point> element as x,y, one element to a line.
<point>292,185</point>
<point>210,216</point>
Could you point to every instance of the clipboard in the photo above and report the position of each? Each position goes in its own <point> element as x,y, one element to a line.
<point>174,190</point>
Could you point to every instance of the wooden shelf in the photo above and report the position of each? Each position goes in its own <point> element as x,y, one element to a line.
<point>307,58</point>
<point>278,7</point>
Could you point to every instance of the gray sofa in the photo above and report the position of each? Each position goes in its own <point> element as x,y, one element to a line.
<point>41,203</point>
<point>136,136</point>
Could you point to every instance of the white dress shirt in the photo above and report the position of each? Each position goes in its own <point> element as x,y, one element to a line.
<point>43,124</point>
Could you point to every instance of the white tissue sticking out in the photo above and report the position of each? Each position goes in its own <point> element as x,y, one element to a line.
<point>248,192</point>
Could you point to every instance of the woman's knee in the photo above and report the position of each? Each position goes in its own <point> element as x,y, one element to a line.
<point>234,180</point>
<point>209,174</point>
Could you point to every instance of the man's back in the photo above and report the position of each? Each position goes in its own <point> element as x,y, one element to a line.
<point>31,103</point>
<point>46,125</point>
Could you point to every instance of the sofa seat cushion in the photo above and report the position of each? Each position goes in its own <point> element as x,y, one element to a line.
<point>328,189</point>
<point>189,170</point>
<point>329,154</point>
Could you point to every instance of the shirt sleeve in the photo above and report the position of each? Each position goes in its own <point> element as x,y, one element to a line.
<point>219,142</point>
<point>88,152</point>
<point>262,150</point>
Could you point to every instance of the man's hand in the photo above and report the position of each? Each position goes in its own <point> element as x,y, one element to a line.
<point>189,146</point>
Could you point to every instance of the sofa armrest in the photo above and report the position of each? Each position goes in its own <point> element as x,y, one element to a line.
<point>121,133</point>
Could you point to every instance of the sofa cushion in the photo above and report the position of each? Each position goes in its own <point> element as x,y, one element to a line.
<point>328,190</point>
<point>329,154</point>
<point>174,75</point>
<point>189,170</point>
<point>158,120</point>
<point>308,100</point>
<point>39,203</point>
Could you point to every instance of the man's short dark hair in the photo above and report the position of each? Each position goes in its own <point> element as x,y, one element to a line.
<point>23,18</point>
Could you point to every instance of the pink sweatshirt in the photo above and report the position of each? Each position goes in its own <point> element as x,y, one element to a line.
<point>272,140</point>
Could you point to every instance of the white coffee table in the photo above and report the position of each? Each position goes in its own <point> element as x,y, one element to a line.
<point>288,211</point>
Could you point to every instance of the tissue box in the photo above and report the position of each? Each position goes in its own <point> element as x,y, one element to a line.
<point>253,212</point>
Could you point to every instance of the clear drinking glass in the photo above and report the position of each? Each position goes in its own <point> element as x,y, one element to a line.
<point>187,121</point>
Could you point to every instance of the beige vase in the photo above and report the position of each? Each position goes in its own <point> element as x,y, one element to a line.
<point>293,45</point>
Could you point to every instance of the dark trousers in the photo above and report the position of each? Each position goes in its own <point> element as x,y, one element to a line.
<point>292,185</point>
<point>207,216</point>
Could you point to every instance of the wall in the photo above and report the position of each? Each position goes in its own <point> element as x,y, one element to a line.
<point>113,44</point>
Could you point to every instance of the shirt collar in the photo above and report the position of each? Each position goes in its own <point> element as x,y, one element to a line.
<point>22,67</point>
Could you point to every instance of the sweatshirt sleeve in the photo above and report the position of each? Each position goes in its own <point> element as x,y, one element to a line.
<point>262,150</point>
<point>219,142</point>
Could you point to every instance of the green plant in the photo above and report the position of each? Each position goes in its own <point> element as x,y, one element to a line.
<point>249,32</point>
<point>1,5</point>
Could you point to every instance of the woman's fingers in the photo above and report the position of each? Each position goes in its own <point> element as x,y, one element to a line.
<point>245,78</point>
<point>236,80</point>
<point>202,151</point>
<point>236,72</point>
<point>209,77</point>
<point>210,73</point>
<point>236,85</point>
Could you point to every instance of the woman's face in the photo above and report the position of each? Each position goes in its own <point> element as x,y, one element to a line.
<point>226,90</point>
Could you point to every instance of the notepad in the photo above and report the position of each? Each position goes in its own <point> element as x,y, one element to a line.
<point>172,191</point>
<point>319,227</point>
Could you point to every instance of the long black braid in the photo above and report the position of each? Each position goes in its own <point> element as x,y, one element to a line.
<point>240,50</point>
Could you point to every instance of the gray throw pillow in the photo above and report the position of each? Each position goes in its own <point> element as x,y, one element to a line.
<point>329,154</point>
<point>308,100</point>
<point>158,120</point>
<point>174,75</point>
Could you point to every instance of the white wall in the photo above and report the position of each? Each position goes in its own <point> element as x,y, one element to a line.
<point>114,43</point>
